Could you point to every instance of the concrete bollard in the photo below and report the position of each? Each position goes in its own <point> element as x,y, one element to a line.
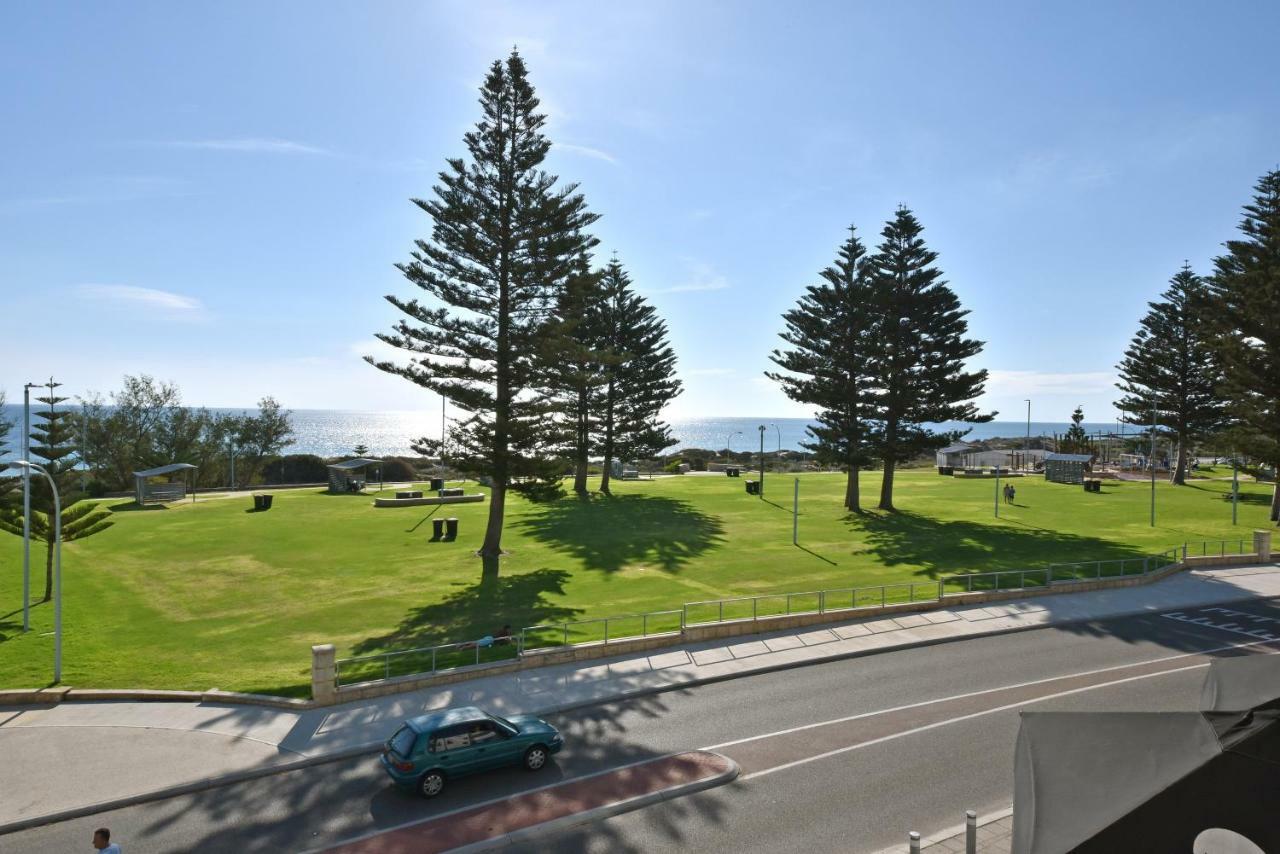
<point>323,674</point>
<point>1262,545</point>
<point>913,843</point>
<point>970,832</point>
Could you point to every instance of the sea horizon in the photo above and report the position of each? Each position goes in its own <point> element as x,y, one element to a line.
<point>388,432</point>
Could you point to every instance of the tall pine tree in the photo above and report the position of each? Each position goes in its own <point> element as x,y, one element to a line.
<point>1172,366</point>
<point>638,374</point>
<point>53,445</point>
<point>921,379</point>
<point>504,241</point>
<point>1246,297</point>
<point>831,363</point>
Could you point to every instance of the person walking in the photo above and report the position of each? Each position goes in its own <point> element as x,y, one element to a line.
<point>1013,493</point>
<point>102,841</point>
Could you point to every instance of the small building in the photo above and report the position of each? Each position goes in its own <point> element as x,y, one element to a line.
<point>351,475</point>
<point>148,487</point>
<point>952,456</point>
<point>1066,468</point>
<point>1019,460</point>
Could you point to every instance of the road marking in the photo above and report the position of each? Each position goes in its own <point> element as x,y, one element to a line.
<point>954,697</point>
<point>949,721</point>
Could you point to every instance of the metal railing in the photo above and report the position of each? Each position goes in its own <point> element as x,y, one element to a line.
<point>810,602</point>
<point>432,659</point>
<point>423,660</point>
<point>602,630</point>
<point>1218,548</point>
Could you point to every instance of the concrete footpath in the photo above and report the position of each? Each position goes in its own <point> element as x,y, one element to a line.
<point>79,756</point>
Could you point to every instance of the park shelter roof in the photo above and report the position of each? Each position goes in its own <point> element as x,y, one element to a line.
<point>358,463</point>
<point>159,470</point>
<point>956,448</point>
<point>1069,458</point>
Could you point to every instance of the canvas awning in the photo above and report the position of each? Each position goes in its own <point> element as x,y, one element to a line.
<point>159,470</point>
<point>350,465</point>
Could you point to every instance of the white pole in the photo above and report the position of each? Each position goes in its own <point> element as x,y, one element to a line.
<point>57,580</point>
<point>795,516</point>
<point>26,507</point>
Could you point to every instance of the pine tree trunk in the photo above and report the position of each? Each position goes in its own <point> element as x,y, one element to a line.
<point>890,461</point>
<point>851,496</point>
<point>608,438</point>
<point>492,546</point>
<point>580,446</point>
<point>1180,473</point>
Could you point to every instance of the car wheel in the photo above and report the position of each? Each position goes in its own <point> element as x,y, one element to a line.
<point>431,784</point>
<point>535,757</point>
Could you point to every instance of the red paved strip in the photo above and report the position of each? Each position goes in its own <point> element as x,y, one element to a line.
<point>522,811</point>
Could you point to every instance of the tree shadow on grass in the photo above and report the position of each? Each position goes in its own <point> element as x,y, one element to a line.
<point>608,533</point>
<point>946,547</point>
<point>471,611</point>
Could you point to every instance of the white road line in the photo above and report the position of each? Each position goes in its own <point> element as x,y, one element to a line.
<point>950,721</point>
<point>804,727</point>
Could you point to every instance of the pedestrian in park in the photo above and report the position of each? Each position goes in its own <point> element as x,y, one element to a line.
<point>102,841</point>
<point>1013,493</point>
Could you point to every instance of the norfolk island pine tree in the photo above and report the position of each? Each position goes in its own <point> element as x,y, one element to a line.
<point>832,362</point>
<point>1172,366</point>
<point>920,326</point>
<point>504,242</point>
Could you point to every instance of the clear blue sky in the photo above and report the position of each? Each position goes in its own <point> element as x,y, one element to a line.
<point>216,193</point>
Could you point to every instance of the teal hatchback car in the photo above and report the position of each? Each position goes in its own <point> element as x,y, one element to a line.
<point>428,750</point>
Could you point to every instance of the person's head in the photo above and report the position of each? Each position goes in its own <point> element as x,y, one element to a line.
<point>101,838</point>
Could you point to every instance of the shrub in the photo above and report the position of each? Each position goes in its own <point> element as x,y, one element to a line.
<point>296,468</point>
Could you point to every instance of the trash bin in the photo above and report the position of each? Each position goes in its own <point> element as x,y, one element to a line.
<point>437,483</point>
<point>753,487</point>
<point>261,501</point>
<point>451,528</point>
<point>266,501</point>
<point>437,529</point>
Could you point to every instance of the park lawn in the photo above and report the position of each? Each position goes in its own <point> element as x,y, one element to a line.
<point>207,595</point>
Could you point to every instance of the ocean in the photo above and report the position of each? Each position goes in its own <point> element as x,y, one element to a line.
<point>332,432</point>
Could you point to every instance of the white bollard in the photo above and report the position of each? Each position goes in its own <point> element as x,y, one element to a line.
<point>913,842</point>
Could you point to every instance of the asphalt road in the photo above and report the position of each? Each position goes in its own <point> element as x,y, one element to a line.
<point>845,756</point>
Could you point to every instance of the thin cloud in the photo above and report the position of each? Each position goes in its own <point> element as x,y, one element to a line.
<point>145,297</point>
<point>250,145</point>
<point>703,278</point>
<point>706,372</point>
<point>585,151</point>
<point>1048,382</point>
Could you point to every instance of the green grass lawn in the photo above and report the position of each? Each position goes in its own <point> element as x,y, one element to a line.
<point>208,595</point>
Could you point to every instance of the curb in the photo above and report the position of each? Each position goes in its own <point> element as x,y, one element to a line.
<point>539,832</point>
<point>186,788</point>
<point>373,747</point>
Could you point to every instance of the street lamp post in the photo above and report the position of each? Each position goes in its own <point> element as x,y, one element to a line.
<point>1028,442</point>
<point>1153,464</point>
<point>762,429</point>
<point>728,446</point>
<point>779,430</point>
<point>27,467</point>
<point>26,507</point>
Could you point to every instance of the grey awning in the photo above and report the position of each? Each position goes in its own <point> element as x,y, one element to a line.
<point>955,449</point>
<point>348,465</point>
<point>159,470</point>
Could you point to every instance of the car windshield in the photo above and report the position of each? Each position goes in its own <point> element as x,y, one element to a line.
<point>506,723</point>
<point>402,742</point>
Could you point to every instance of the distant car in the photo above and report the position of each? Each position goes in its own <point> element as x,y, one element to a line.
<point>433,748</point>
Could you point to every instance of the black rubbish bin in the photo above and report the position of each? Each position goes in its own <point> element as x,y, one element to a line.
<point>257,502</point>
<point>753,487</point>
<point>451,528</point>
<point>437,483</point>
<point>437,529</point>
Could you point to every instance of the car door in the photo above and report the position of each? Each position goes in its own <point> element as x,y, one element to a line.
<point>453,752</point>
<point>493,745</point>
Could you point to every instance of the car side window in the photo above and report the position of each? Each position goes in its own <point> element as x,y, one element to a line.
<point>451,738</point>
<point>483,732</point>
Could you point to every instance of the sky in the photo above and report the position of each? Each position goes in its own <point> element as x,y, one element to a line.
<point>216,194</point>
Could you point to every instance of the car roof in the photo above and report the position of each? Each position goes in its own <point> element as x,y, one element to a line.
<point>447,717</point>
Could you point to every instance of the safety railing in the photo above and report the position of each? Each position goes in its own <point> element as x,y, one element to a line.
<point>424,660</point>
<point>432,659</point>
<point>810,602</point>
<point>601,630</point>
<point>1219,548</point>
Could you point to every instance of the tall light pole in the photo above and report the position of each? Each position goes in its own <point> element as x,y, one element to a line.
<point>443,401</point>
<point>728,444</point>
<point>26,507</point>
<point>1153,464</point>
<point>1028,443</point>
<point>779,429</point>
<point>27,467</point>
<point>762,429</point>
